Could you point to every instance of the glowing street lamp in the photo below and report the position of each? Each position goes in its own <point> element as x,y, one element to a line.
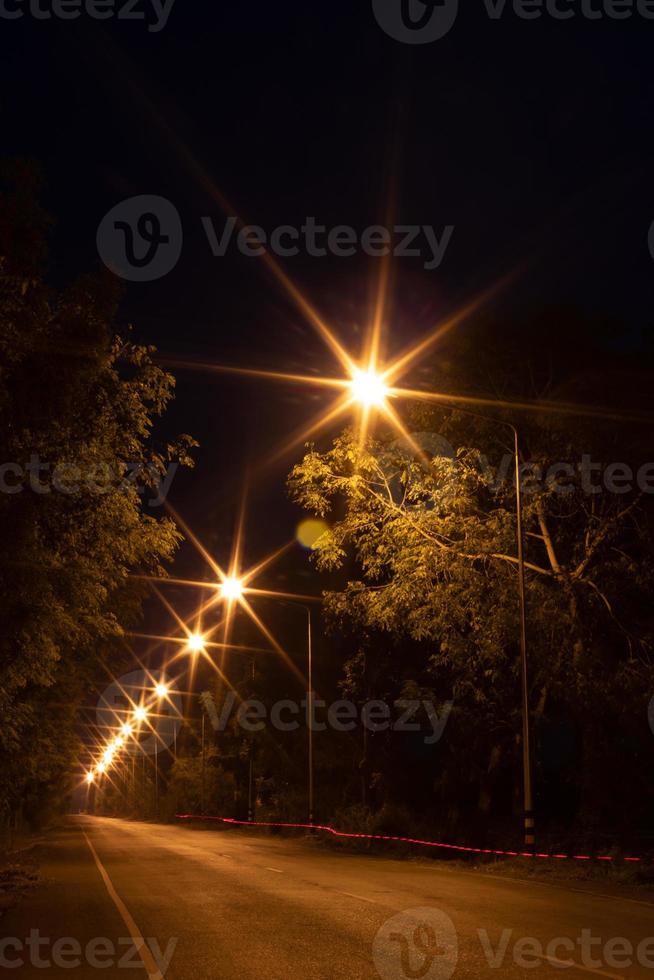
<point>368,388</point>
<point>140,713</point>
<point>101,767</point>
<point>161,690</point>
<point>232,588</point>
<point>196,643</point>
<point>90,777</point>
<point>126,729</point>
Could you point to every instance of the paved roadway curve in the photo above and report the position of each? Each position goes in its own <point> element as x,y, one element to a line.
<point>243,906</point>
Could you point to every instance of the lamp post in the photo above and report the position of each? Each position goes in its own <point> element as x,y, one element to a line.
<point>369,390</point>
<point>232,589</point>
<point>310,692</point>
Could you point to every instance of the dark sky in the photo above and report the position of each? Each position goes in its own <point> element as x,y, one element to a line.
<point>533,138</point>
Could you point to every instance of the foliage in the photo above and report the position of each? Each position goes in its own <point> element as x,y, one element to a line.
<point>83,399</point>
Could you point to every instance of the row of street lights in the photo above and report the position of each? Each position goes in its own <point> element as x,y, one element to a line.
<point>232,589</point>
<point>368,389</point>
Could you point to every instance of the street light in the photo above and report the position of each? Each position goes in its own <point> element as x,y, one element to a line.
<point>195,643</point>
<point>232,588</point>
<point>361,392</point>
<point>140,713</point>
<point>368,388</point>
<point>90,777</point>
<point>161,690</point>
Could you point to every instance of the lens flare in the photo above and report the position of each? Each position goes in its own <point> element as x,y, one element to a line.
<point>368,388</point>
<point>196,643</point>
<point>232,588</point>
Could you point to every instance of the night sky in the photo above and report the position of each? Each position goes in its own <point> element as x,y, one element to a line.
<point>533,138</point>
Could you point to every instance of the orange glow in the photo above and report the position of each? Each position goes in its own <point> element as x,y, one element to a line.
<point>232,588</point>
<point>195,643</point>
<point>368,388</point>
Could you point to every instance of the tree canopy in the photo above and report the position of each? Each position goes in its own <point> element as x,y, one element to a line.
<point>78,401</point>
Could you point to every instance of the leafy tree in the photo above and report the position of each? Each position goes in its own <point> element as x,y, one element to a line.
<point>428,542</point>
<point>80,399</point>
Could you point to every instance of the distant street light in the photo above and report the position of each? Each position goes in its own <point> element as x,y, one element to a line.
<point>196,643</point>
<point>90,777</point>
<point>232,588</point>
<point>140,713</point>
<point>161,690</point>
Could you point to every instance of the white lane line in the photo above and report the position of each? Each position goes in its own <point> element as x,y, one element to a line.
<point>572,965</point>
<point>361,898</point>
<point>276,870</point>
<point>151,967</point>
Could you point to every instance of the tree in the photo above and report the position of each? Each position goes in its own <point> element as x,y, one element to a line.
<point>78,401</point>
<point>429,545</point>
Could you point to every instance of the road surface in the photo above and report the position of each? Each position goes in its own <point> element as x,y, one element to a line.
<point>192,904</point>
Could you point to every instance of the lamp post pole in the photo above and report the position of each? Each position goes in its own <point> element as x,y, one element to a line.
<point>203,768</point>
<point>526,734</point>
<point>528,799</point>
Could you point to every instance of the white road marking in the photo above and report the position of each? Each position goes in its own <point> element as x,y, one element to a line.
<point>362,898</point>
<point>572,965</point>
<point>143,949</point>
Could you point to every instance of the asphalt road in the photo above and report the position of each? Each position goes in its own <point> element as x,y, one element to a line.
<point>236,905</point>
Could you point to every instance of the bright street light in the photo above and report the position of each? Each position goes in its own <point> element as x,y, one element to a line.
<point>196,643</point>
<point>90,777</point>
<point>126,729</point>
<point>232,588</point>
<point>140,713</point>
<point>368,388</point>
<point>100,767</point>
<point>161,690</point>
